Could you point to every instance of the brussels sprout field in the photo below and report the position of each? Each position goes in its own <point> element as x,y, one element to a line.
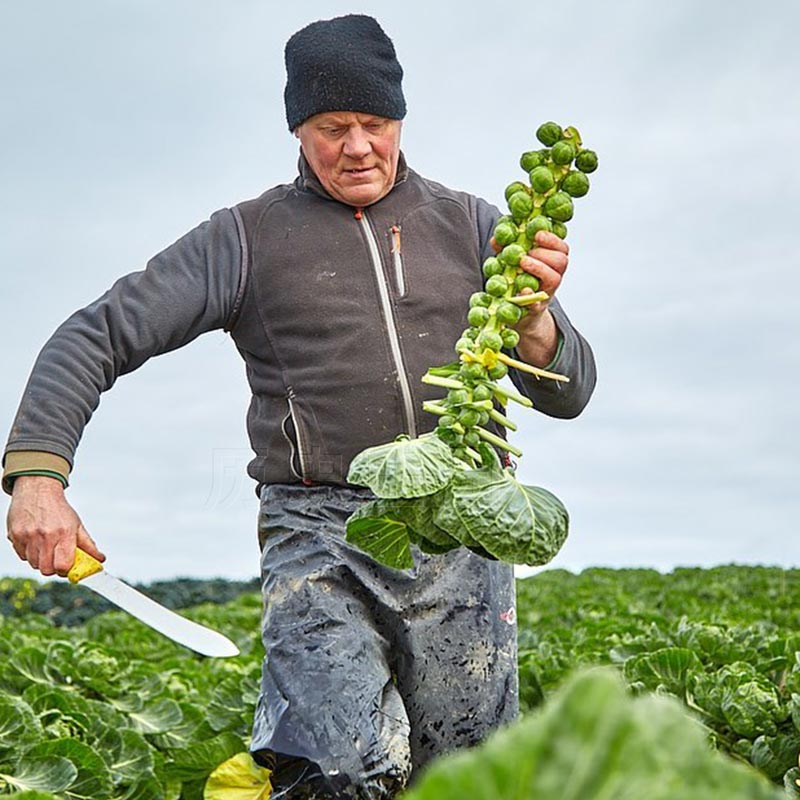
<point>449,489</point>
<point>111,711</point>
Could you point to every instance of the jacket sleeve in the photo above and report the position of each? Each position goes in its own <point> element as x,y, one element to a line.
<point>191,287</point>
<point>574,357</point>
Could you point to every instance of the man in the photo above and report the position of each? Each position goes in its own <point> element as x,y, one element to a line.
<point>339,290</point>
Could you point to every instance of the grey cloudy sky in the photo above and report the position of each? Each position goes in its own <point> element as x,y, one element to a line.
<point>124,124</point>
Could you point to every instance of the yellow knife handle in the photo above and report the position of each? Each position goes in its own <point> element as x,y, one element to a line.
<point>83,566</point>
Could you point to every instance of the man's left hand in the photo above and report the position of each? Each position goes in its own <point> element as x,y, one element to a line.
<point>547,261</point>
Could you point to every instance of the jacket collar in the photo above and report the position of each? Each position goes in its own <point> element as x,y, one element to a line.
<point>309,182</point>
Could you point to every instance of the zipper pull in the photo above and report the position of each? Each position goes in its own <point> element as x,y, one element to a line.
<point>395,238</point>
<point>359,213</point>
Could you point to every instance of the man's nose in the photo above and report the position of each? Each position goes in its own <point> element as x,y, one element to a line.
<point>357,143</point>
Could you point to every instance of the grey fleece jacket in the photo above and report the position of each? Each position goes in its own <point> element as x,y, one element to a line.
<point>320,392</point>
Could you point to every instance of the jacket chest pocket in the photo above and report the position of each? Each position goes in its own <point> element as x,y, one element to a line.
<point>396,268</point>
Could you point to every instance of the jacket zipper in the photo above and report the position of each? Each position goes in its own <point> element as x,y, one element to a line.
<point>293,414</point>
<point>391,326</point>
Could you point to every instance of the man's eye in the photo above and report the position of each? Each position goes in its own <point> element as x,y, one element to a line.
<point>334,131</point>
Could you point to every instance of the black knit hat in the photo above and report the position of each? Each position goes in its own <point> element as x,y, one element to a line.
<point>342,64</point>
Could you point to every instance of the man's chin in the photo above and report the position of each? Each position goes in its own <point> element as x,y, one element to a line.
<point>362,195</point>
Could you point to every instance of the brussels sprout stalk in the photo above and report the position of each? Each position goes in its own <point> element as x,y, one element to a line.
<point>503,395</point>
<point>427,488</point>
<point>503,420</point>
<point>539,373</point>
<point>556,175</point>
<point>528,299</point>
<point>487,436</point>
<point>444,383</point>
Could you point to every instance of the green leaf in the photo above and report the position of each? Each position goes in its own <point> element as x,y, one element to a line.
<point>405,467</point>
<point>30,663</point>
<point>157,717</point>
<point>19,726</point>
<point>145,787</point>
<point>199,760</point>
<point>60,709</point>
<point>93,781</point>
<point>488,507</point>
<point>226,704</point>
<point>47,774</point>
<point>774,755</point>
<point>594,742</point>
<point>419,514</point>
<point>791,783</point>
<point>376,529</point>
<point>668,667</point>
<point>133,758</point>
<point>193,727</point>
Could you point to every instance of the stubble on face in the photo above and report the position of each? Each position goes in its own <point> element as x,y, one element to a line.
<point>354,155</point>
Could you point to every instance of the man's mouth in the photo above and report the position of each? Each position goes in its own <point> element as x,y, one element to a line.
<point>358,170</point>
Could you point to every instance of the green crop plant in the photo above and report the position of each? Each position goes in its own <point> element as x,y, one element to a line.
<point>449,488</point>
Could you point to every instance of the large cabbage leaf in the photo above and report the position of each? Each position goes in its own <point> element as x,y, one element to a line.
<point>488,507</point>
<point>405,467</point>
<point>48,774</point>
<point>594,742</point>
<point>378,529</point>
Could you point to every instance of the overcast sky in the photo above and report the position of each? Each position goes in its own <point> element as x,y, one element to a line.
<point>126,123</point>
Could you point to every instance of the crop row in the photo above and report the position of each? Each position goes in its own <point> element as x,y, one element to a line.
<point>112,711</point>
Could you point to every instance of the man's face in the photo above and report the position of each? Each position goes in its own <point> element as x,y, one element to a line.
<point>354,155</point>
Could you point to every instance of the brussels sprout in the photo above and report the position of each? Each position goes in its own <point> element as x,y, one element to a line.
<point>484,418</point>
<point>515,187</point>
<point>478,315</point>
<point>473,372</point>
<point>480,299</point>
<point>469,417</point>
<point>542,179</point>
<point>482,392</point>
<point>559,207</point>
<point>545,154</point>
<point>492,267</point>
<point>497,286</point>
<point>575,184</point>
<point>494,341</point>
<point>511,255</point>
<point>526,281</point>
<point>563,152</point>
<point>449,436</point>
<point>560,230</point>
<point>499,370</point>
<point>540,223</point>
<point>471,333</point>
<point>508,313</point>
<point>530,160</point>
<point>520,205</point>
<point>549,133</point>
<point>586,161</point>
<point>505,234</point>
<point>510,338</point>
<point>457,397</point>
<point>463,344</point>
<point>471,439</point>
<point>446,421</point>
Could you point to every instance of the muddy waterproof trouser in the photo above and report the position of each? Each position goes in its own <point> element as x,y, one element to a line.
<point>371,672</point>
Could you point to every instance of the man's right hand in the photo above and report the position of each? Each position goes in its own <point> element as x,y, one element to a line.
<point>43,528</point>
